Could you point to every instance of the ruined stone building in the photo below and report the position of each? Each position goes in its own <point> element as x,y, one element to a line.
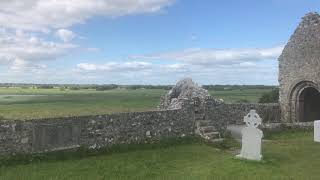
<point>299,73</point>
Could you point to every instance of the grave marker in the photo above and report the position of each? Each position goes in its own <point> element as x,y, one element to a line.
<point>251,137</point>
<point>316,135</point>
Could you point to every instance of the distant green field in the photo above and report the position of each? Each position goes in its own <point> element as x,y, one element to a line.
<point>29,103</point>
<point>17,103</point>
<point>240,95</point>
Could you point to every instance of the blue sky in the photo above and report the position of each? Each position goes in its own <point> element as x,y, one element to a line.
<point>146,41</point>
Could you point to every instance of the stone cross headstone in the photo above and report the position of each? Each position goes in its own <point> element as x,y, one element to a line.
<point>251,137</point>
<point>316,131</point>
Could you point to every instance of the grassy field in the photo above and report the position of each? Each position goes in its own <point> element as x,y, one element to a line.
<point>17,103</point>
<point>289,155</point>
<point>28,103</point>
<point>239,95</point>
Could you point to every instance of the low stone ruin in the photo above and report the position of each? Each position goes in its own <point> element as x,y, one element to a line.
<point>184,89</point>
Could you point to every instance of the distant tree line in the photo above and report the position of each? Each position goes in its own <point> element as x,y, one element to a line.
<point>115,86</point>
<point>166,87</point>
<point>44,87</point>
<point>105,87</point>
<point>236,87</point>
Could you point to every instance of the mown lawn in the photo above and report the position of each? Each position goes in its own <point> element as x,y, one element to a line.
<point>289,155</point>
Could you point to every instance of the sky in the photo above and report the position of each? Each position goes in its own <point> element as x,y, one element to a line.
<point>146,41</point>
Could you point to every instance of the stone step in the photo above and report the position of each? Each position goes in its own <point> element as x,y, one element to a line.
<point>206,129</point>
<point>213,135</point>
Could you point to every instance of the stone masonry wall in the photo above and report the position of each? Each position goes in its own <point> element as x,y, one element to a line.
<point>98,131</point>
<point>94,131</point>
<point>234,113</point>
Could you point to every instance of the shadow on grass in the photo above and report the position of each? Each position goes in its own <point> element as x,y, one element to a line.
<point>227,144</point>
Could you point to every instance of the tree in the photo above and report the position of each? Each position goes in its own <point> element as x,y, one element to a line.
<point>270,97</point>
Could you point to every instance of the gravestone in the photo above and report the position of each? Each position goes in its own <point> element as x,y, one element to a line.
<point>251,137</point>
<point>316,135</point>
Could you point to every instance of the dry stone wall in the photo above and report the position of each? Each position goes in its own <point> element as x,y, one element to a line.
<point>233,113</point>
<point>94,131</point>
<point>98,131</point>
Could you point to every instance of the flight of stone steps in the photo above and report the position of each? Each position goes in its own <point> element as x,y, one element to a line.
<point>205,129</point>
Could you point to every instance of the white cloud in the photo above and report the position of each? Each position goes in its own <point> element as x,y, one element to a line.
<point>35,21</point>
<point>114,66</point>
<point>43,15</point>
<point>175,66</point>
<point>247,64</point>
<point>20,50</point>
<point>65,35</point>
<point>264,72</point>
<point>215,56</point>
<point>227,66</point>
<point>22,66</point>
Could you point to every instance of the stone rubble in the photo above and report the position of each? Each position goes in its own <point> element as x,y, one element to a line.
<point>184,89</point>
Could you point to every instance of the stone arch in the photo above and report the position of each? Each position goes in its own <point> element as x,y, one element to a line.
<point>304,94</point>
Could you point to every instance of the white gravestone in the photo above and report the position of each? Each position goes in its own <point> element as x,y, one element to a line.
<point>316,134</point>
<point>251,137</point>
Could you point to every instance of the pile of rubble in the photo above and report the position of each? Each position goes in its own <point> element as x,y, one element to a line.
<point>184,89</point>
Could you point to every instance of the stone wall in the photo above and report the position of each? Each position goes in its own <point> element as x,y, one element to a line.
<point>98,131</point>
<point>234,113</point>
<point>94,131</point>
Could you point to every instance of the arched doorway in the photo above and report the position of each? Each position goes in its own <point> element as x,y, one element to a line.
<point>308,105</point>
<point>304,102</point>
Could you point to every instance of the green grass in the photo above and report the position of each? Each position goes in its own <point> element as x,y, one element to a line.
<point>289,155</point>
<point>240,95</point>
<point>28,103</point>
<point>40,103</point>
